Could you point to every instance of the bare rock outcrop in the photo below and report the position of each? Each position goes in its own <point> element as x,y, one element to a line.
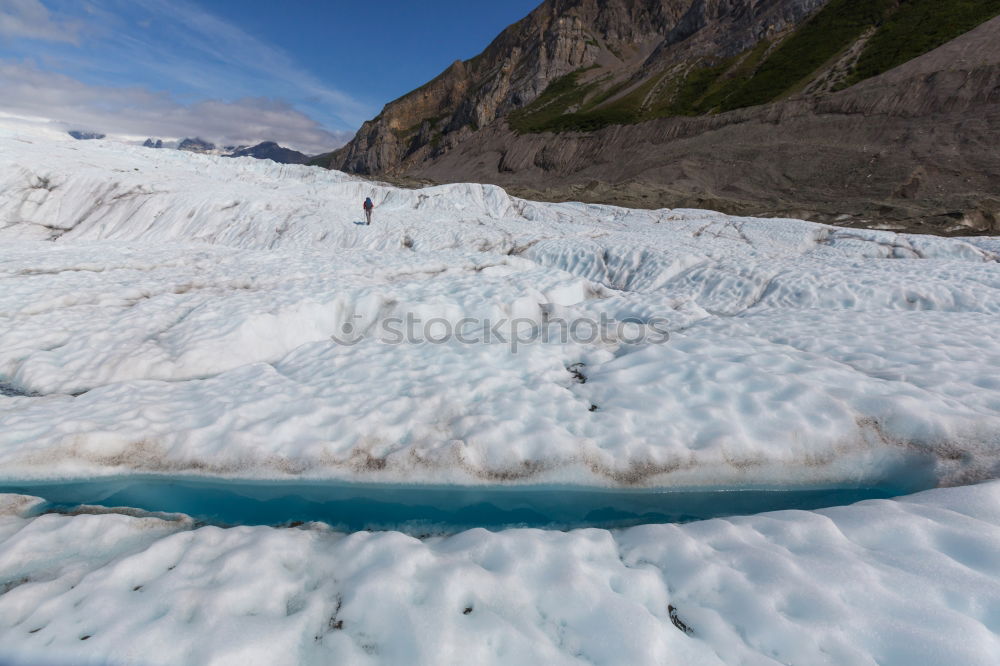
<point>621,40</point>
<point>658,103</point>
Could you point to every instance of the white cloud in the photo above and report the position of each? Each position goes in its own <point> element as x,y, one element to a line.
<point>32,20</point>
<point>225,84</point>
<point>215,40</point>
<point>71,104</point>
<point>199,50</point>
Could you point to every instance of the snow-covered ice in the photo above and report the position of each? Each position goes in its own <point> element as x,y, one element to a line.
<point>171,314</point>
<point>909,582</point>
<point>181,322</point>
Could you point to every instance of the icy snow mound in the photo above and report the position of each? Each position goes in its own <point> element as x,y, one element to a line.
<point>906,583</point>
<point>105,191</point>
<point>189,317</point>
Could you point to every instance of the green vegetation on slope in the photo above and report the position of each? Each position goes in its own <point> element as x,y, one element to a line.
<point>830,31</point>
<point>904,29</point>
<point>623,111</point>
<point>705,89</point>
<point>919,26</point>
<point>560,96</point>
<point>692,95</point>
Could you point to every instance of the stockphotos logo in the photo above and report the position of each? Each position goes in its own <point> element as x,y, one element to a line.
<point>515,333</point>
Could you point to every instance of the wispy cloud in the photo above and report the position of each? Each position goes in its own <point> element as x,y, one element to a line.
<point>168,69</point>
<point>205,38</point>
<point>69,104</point>
<point>30,19</point>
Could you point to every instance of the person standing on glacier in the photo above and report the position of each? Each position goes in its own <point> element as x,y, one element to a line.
<point>369,206</point>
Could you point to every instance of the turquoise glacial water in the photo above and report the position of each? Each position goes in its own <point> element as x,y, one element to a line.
<point>426,509</point>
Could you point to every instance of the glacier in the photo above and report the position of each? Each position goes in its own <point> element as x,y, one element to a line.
<point>909,582</point>
<point>172,315</point>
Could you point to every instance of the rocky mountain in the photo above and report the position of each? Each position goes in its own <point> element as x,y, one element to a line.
<point>196,145</point>
<point>266,150</point>
<point>861,111</point>
<point>269,150</point>
<point>85,136</point>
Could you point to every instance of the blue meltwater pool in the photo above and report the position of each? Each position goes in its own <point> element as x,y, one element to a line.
<point>426,509</point>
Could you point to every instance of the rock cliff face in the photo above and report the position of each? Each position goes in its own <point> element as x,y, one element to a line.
<point>617,41</point>
<point>620,42</point>
<point>835,110</point>
<point>913,149</point>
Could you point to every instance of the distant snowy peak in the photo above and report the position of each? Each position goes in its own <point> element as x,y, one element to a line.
<point>150,143</point>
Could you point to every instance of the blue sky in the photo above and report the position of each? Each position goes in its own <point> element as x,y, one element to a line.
<point>305,73</point>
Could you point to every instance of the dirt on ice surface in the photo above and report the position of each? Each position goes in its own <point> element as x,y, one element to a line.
<point>175,314</point>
